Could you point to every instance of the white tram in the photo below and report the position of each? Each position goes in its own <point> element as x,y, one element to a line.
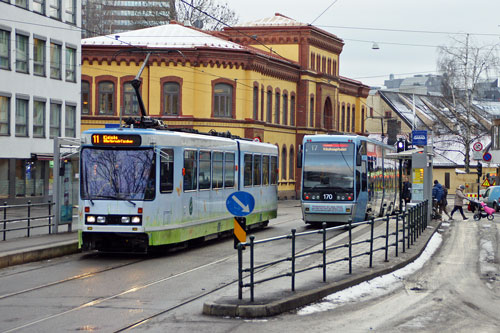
<point>142,187</point>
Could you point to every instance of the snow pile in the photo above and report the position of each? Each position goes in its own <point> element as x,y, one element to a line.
<point>376,287</point>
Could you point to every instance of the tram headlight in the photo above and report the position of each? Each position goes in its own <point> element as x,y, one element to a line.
<point>101,219</point>
<point>136,219</point>
<point>125,219</point>
<point>90,219</point>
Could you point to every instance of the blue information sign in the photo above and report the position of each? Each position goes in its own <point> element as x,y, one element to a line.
<point>240,203</point>
<point>419,138</point>
<point>487,157</point>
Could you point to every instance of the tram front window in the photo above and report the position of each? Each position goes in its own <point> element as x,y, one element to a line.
<point>117,174</point>
<point>328,171</point>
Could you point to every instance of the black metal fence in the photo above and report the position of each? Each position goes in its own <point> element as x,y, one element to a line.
<point>26,217</point>
<point>407,227</point>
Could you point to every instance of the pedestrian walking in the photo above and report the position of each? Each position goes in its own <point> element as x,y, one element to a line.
<point>406,191</point>
<point>444,203</point>
<point>437,196</point>
<point>459,202</point>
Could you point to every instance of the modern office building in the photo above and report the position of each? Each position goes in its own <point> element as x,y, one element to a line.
<point>39,92</point>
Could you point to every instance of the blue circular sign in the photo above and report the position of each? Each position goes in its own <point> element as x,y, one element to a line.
<point>240,203</point>
<point>487,157</point>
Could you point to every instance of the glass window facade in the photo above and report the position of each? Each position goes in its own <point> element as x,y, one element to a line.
<point>70,121</point>
<point>106,97</point>
<point>130,103</point>
<point>85,97</point>
<point>55,120</point>
<point>21,117</point>
<point>55,61</point>
<point>171,92</point>
<point>4,115</point>
<point>4,49</point>
<point>223,100</point>
<point>70,64</point>
<point>22,53</point>
<point>39,57</point>
<point>38,119</point>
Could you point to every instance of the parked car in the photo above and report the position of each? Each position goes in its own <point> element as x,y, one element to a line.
<point>491,197</point>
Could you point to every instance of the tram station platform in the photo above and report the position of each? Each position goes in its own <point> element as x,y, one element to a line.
<point>275,296</point>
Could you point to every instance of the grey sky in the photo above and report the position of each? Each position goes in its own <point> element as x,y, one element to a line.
<point>358,60</point>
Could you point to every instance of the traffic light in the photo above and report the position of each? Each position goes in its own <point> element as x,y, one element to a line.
<point>479,169</point>
<point>401,145</point>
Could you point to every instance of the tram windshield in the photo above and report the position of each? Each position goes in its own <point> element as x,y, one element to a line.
<point>329,167</point>
<point>125,174</point>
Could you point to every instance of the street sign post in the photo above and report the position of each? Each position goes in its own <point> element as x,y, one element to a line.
<point>487,157</point>
<point>240,204</point>
<point>419,138</point>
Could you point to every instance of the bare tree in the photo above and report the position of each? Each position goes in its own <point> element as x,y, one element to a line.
<point>97,17</point>
<point>463,66</point>
<point>206,14</point>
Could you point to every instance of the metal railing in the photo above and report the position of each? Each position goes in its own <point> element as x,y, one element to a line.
<point>26,217</point>
<point>408,226</point>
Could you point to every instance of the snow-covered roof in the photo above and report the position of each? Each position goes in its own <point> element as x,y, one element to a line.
<point>163,36</point>
<point>276,20</point>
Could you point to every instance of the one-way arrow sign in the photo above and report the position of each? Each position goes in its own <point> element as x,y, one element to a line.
<point>240,203</point>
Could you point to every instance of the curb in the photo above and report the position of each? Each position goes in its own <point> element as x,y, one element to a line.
<point>303,298</point>
<point>38,253</point>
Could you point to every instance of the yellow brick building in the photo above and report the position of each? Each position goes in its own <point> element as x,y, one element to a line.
<point>275,80</point>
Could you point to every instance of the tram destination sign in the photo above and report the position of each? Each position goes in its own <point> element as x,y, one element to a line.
<point>116,140</point>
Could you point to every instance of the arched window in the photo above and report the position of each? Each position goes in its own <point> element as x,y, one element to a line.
<point>283,162</point>
<point>171,100</point>
<point>291,168</point>
<point>311,112</point>
<point>353,118</point>
<point>223,100</point>
<point>363,119</point>
<point>130,103</point>
<point>348,120</point>
<point>85,97</point>
<point>255,103</point>
<point>343,118</point>
<point>106,97</point>
<point>292,110</point>
<point>269,106</point>
<point>285,109</point>
<point>277,113</point>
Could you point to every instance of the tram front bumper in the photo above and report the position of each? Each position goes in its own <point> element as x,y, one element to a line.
<point>328,212</point>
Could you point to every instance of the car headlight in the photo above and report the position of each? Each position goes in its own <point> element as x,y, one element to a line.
<point>136,219</point>
<point>125,219</point>
<point>101,219</point>
<point>90,219</point>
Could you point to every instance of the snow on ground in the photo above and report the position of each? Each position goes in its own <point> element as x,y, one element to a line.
<point>375,287</point>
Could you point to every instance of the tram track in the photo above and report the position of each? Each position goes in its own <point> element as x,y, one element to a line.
<point>99,301</point>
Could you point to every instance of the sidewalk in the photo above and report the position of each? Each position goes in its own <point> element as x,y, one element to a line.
<point>16,250</point>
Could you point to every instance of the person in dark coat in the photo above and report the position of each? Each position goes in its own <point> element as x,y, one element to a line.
<point>406,194</point>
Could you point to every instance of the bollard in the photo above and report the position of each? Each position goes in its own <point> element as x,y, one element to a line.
<point>50,218</point>
<point>350,245</point>
<point>240,271</point>
<point>4,219</point>
<point>371,241</point>
<point>387,238</point>
<point>324,252</point>
<point>252,237</point>
<point>405,215</point>
<point>397,234</point>
<point>29,219</point>
<point>293,259</point>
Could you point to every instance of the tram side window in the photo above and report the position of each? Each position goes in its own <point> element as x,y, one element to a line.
<point>274,170</point>
<point>265,170</point>
<point>204,170</point>
<point>167,170</point>
<point>217,170</point>
<point>229,170</point>
<point>257,169</point>
<point>247,176</point>
<point>190,170</point>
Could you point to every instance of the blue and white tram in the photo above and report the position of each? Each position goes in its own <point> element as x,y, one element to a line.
<point>141,188</point>
<point>346,176</point>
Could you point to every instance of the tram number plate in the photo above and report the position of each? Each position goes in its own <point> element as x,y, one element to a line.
<point>328,196</point>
